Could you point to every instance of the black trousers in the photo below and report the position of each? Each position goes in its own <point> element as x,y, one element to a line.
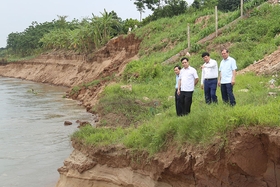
<point>178,104</point>
<point>186,102</point>
<point>227,94</point>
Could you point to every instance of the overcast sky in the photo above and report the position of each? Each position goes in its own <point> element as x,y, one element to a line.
<point>17,15</point>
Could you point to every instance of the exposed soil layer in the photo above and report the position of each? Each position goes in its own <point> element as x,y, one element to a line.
<point>267,66</point>
<point>249,158</point>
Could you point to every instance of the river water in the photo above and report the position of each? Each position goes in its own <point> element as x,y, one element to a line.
<point>33,139</point>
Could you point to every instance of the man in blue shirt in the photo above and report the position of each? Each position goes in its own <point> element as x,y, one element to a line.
<point>177,69</point>
<point>227,77</point>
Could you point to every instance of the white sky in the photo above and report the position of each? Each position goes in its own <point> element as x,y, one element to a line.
<point>17,15</point>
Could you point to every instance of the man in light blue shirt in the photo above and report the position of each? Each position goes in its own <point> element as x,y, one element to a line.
<point>177,69</point>
<point>227,77</point>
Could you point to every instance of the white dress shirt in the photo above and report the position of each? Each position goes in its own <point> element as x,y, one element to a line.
<point>209,70</point>
<point>187,77</point>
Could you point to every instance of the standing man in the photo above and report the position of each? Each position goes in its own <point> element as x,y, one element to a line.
<point>209,78</point>
<point>227,77</point>
<point>188,78</point>
<point>177,69</point>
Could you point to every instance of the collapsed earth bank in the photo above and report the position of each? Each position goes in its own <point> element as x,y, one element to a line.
<point>248,157</point>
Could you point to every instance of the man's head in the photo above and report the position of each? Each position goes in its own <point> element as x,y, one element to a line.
<point>185,62</point>
<point>177,69</point>
<point>225,53</point>
<point>206,57</point>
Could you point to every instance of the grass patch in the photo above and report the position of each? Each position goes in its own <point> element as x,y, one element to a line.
<point>99,136</point>
<point>75,90</point>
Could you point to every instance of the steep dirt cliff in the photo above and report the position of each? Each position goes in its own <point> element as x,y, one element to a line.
<point>249,157</point>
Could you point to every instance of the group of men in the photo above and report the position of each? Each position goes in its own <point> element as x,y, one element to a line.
<point>187,78</point>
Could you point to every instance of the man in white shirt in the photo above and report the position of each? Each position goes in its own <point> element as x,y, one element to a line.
<point>209,78</point>
<point>188,78</point>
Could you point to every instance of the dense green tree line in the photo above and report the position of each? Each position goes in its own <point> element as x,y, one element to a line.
<point>169,8</point>
<point>23,43</point>
<point>224,5</point>
<point>84,36</point>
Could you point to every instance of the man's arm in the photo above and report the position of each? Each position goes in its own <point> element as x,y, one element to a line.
<point>196,81</point>
<point>202,79</point>
<point>233,77</point>
<point>219,79</point>
<point>210,64</point>
<point>179,86</point>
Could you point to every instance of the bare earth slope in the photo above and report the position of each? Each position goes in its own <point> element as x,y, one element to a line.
<point>268,65</point>
<point>250,158</point>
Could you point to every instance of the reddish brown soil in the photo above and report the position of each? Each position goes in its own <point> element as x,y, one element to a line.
<point>267,66</point>
<point>249,157</point>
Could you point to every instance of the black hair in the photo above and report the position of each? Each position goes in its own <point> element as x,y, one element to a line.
<point>225,50</point>
<point>177,66</point>
<point>205,54</point>
<point>184,58</point>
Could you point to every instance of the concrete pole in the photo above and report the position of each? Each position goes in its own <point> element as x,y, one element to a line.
<point>189,42</point>
<point>241,8</point>
<point>216,20</point>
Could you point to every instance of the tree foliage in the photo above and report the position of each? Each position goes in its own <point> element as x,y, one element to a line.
<point>223,5</point>
<point>228,5</point>
<point>91,34</point>
<point>84,36</point>
<point>27,42</point>
<point>161,8</point>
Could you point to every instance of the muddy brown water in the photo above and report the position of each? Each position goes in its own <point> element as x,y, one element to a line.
<point>33,139</point>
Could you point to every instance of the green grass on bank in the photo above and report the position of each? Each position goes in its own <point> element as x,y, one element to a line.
<point>255,107</point>
<point>150,106</point>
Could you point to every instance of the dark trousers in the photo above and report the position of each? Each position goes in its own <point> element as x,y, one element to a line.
<point>227,94</point>
<point>210,87</point>
<point>178,104</point>
<point>186,102</point>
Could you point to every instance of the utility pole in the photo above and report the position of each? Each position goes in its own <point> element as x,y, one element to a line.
<point>216,19</point>
<point>189,41</point>
<point>241,8</point>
